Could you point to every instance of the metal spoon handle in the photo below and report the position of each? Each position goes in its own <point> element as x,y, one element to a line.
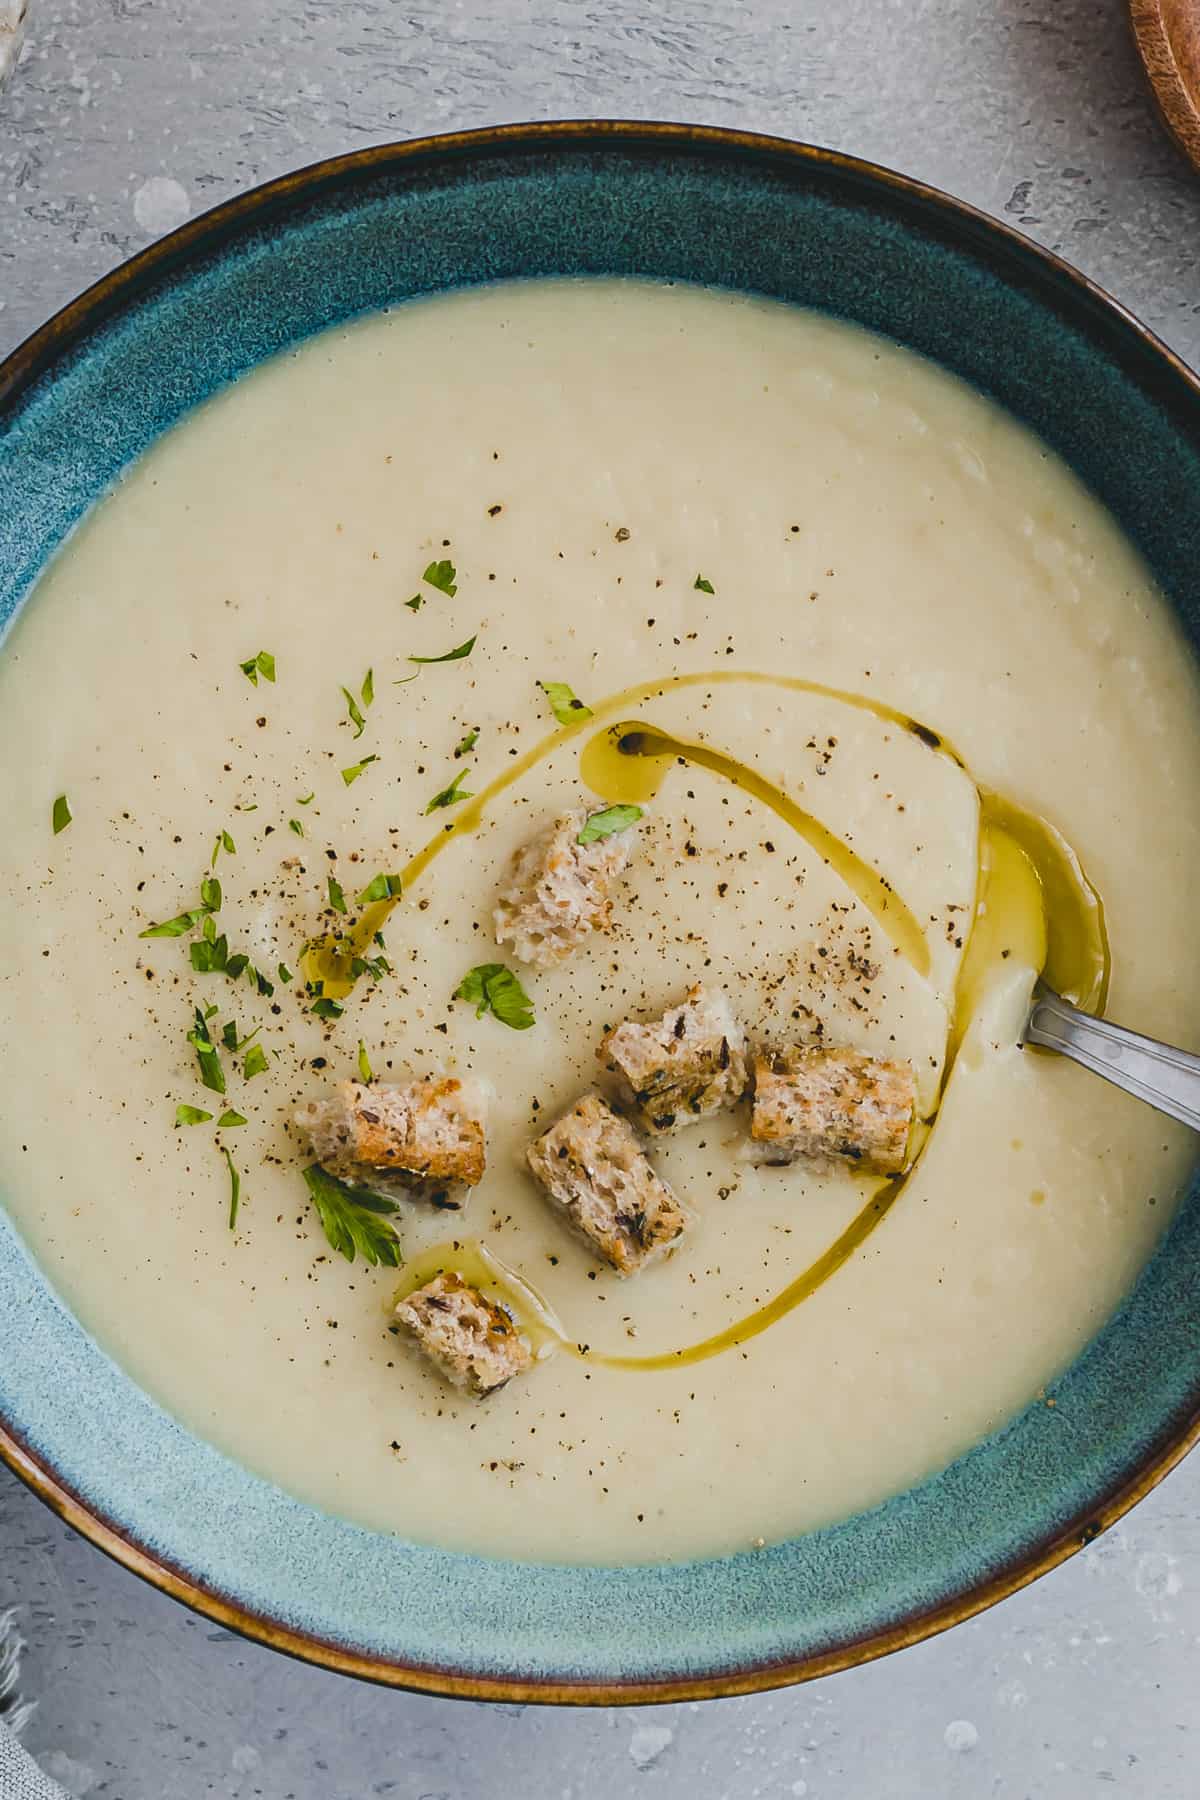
<point>1162,1076</point>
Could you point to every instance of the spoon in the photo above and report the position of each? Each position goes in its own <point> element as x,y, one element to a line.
<point>1164,1077</point>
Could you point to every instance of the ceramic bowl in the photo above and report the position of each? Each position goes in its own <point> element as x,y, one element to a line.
<point>94,387</point>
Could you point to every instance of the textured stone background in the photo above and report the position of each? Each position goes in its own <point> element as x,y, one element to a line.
<point>124,117</point>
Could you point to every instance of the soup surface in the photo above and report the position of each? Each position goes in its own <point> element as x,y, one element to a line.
<point>623,484</point>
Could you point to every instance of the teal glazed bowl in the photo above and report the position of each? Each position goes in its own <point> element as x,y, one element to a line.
<point>93,388</point>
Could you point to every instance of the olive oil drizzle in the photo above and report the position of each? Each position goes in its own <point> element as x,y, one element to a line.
<point>1033,899</point>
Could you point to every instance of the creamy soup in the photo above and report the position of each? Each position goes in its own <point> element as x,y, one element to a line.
<point>897,615</point>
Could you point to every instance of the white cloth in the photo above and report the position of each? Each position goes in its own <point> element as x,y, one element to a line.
<point>20,1777</point>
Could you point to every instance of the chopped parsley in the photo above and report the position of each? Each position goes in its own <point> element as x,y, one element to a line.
<point>191,1115</point>
<point>354,1219</point>
<point>490,987</point>
<point>466,744</point>
<point>176,927</point>
<point>235,1189</point>
<point>440,575</point>
<point>603,824</point>
<point>285,974</point>
<point>364,1063</point>
<point>328,1009</point>
<point>455,655</point>
<point>416,603</point>
<point>207,1054</point>
<point>255,1063</point>
<point>224,842</point>
<point>263,664</point>
<point>60,814</point>
<point>351,775</point>
<point>703,586</point>
<point>355,711</point>
<point>296,826</point>
<point>337,898</point>
<point>565,704</point>
<point>450,796</point>
<point>383,887</point>
<point>230,1118</point>
<point>303,799</point>
<point>368,687</point>
<point>210,894</point>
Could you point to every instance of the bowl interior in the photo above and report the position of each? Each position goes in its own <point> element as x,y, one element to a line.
<point>96,388</point>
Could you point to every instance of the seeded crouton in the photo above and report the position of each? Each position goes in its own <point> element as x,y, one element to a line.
<point>559,891</point>
<point>591,1165</point>
<point>416,1139</point>
<point>833,1105</point>
<point>468,1338</point>
<point>688,1063</point>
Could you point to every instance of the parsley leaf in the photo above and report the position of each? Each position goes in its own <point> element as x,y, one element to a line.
<point>611,819</point>
<point>455,655</point>
<point>490,987</point>
<point>351,775</point>
<point>296,826</point>
<point>468,743</point>
<point>235,1189</point>
<point>337,898</point>
<point>303,799</point>
<point>703,586</point>
<point>565,704</point>
<point>207,1054</point>
<point>328,1009</point>
<point>60,814</point>
<point>255,1063</point>
<point>210,894</point>
<point>191,1115</point>
<point>263,664</point>
<point>383,887</point>
<point>224,842</point>
<point>230,1118</point>
<point>185,921</point>
<point>441,575</point>
<point>450,796</point>
<point>285,974</point>
<point>364,1063</point>
<point>416,603</point>
<point>354,1219</point>
<point>368,687</point>
<point>356,718</point>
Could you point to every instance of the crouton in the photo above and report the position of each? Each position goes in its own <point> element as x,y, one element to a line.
<point>416,1139</point>
<point>688,1063</point>
<point>833,1106</point>
<point>468,1338</point>
<point>591,1165</point>
<point>559,891</point>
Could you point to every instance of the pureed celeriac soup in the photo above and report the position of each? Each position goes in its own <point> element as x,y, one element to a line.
<point>848,635</point>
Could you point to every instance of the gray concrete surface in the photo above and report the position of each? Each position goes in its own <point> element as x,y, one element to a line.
<point>125,116</point>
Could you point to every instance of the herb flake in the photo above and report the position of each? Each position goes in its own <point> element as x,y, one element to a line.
<point>450,796</point>
<point>490,987</point>
<point>354,1220</point>
<point>235,1189</point>
<point>364,1063</point>
<point>230,1118</point>
<point>565,704</point>
<point>191,1115</point>
<point>703,586</point>
<point>176,927</point>
<point>255,1063</point>
<point>337,898</point>
<point>351,775</point>
<point>60,814</point>
<point>604,823</point>
<point>441,575</point>
<point>455,655</point>
<point>383,887</point>
<point>263,664</point>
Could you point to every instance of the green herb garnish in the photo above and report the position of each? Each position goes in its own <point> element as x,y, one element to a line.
<point>351,775</point>
<point>185,921</point>
<point>368,687</point>
<point>364,1062</point>
<point>328,1009</point>
<point>255,1063</point>
<point>296,826</point>
<point>235,1189</point>
<point>383,887</point>
<point>416,603</point>
<point>207,1054</point>
<point>224,842</point>
<point>702,586</point>
<point>191,1115</point>
<point>441,575</point>
<point>565,704</point>
<point>355,711</point>
<point>468,743</point>
<point>490,987</point>
<point>337,898</point>
<point>455,655</point>
<point>210,894</point>
<point>285,974</point>
<point>230,1118</point>
<point>60,814</point>
<point>263,664</point>
<point>604,824</point>
<point>303,799</point>
<point>354,1219</point>
<point>450,796</point>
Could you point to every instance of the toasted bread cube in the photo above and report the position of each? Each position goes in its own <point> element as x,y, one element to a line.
<point>833,1106</point>
<point>591,1165</point>
<point>468,1338</point>
<point>689,1063</point>
<point>421,1138</point>
<point>559,891</point>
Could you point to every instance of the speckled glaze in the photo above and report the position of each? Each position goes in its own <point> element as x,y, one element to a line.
<point>93,389</point>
